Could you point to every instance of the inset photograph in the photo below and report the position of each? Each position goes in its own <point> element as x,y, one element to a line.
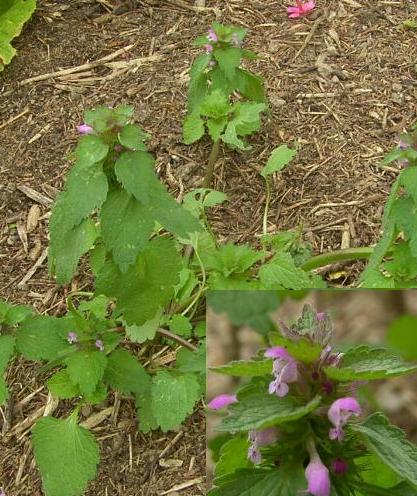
<point>312,393</point>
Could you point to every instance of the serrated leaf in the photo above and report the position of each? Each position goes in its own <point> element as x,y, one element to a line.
<point>233,455</point>
<point>147,286</point>
<point>228,59</point>
<point>135,171</point>
<point>250,85</point>
<point>215,105</point>
<point>193,129</point>
<point>364,363</point>
<point>98,396</point>
<point>388,443</point>
<point>66,250</point>
<point>404,213</point>
<point>173,398</point>
<point>304,350</point>
<point>6,351</point>
<point>262,410</point>
<point>279,158</point>
<point>60,385</point>
<point>141,333</point>
<point>216,127</point>
<point>67,455</point>
<point>146,419</point>
<point>247,117</point>
<point>13,15</point>
<point>245,368</point>
<point>191,361</point>
<point>287,480</point>
<point>86,368</point>
<point>44,337</point>
<point>198,86</point>
<point>133,137</point>
<point>282,272</point>
<point>231,258</point>
<point>126,226</point>
<point>125,373</point>
<point>408,179</point>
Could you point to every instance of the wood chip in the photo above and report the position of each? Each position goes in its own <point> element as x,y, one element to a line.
<point>33,218</point>
<point>184,485</point>
<point>33,269</point>
<point>35,195</point>
<point>21,231</point>
<point>97,418</point>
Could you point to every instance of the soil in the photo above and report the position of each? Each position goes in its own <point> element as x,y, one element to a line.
<point>334,189</point>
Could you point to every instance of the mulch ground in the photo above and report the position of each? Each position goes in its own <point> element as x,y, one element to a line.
<point>341,82</point>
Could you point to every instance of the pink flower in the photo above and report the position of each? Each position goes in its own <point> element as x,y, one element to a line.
<point>259,439</point>
<point>339,413</point>
<point>208,48</point>
<point>317,474</point>
<point>222,401</point>
<point>2,493</point>
<point>284,369</point>
<point>321,316</point>
<point>254,454</point>
<point>212,36</point>
<point>339,466</point>
<point>84,129</point>
<point>71,338</point>
<point>300,9</point>
<point>318,479</point>
<point>99,344</point>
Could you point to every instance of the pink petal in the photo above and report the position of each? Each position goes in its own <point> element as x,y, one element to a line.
<point>295,15</point>
<point>84,129</point>
<point>267,436</point>
<point>309,5</point>
<point>222,401</point>
<point>293,9</point>
<point>278,352</point>
<point>318,478</point>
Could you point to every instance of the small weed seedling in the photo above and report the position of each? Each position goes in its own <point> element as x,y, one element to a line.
<point>297,425</point>
<point>223,97</point>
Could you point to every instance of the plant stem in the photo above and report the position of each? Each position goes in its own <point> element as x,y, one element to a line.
<point>338,256</point>
<point>267,200</point>
<point>178,339</point>
<point>211,163</point>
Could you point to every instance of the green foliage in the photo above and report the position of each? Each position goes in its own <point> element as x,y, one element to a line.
<point>7,344</point>
<point>364,363</point>
<point>125,374</point>
<point>13,15</point>
<point>66,454</point>
<point>279,158</point>
<point>401,336</point>
<point>389,444</point>
<point>242,368</point>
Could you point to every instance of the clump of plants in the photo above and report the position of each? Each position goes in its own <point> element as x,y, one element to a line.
<point>298,424</point>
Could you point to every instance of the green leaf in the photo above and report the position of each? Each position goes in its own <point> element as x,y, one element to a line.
<point>141,333</point>
<point>67,455</point>
<point>198,86</point>
<point>44,337</point>
<point>86,368</point>
<point>250,85</point>
<point>4,392</point>
<point>404,213</point>
<point>246,307</point>
<point>13,15</point>
<point>246,117</point>
<point>146,419</point>
<point>262,410</point>
<point>401,336</point>
<point>66,250</point>
<point>410,24</point>
<point>98,396</point>
<point>279,158</point>
<point>60,385</point>
<point>147,286</point>
<point>126,226</point>
<point>192,361</point>
<point>376,472</point>
<point>135,171</point>
<point>282,272</point>
<point>173,398</point>
<point>216,127</point>
<point>193,129</point>
<point>243,368</point>
<point>233,455</point>
<point>215,105</point>
<point>403,264</point>
<point>180,324</point>
<point>6,351</point>
<point>12,315</point>
<point>125,374</point>
<point>97,258</point>
<point>304,350</point>
<point>228,59</point>
<point>103,118</point>
<point>389,444</point>
<point>231,258</point>
<point>231,138</point>
<point>408,179</point>
<point>97,306</point>
<point>364,363</point>
<point>133,137</point>
<point>287,480</point>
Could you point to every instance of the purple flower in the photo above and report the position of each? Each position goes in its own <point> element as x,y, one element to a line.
<point>212,63</point>
<point>84,129</point>
<point>2,493</point>
<point>339,413</point>
<point>222,401</point>
<point>321,316</point>
<point>99,344</point>
<point>71,338</point>
<point>284,369</point>
<point>212,36</point>
<point>259,439</point>
<point>317,474</point>
<point>339,466</point>
<point>209,48</point>
<point>254,455</point>
<point>318,479</point>
<point>235,40</point>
